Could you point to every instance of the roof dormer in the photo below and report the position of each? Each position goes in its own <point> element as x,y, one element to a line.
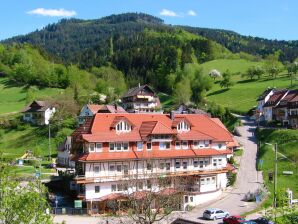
<point>183,126</point>
<point>123,126</point>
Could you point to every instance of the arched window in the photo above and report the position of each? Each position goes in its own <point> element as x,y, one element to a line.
<point>123,126</point>
<point>183,126</point>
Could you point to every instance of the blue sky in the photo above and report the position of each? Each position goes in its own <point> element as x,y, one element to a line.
<point>273,19</point>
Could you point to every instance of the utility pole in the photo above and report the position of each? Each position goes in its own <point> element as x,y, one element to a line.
<point>275,175</point>
<point>50,151</point>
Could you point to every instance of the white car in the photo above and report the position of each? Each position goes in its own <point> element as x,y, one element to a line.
<point>215,213</point>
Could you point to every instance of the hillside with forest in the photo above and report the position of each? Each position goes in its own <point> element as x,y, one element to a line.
<point>109,55</point>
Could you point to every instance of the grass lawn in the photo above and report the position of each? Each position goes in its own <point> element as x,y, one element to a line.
<point>234,65</point>
<point>12,98</point>
<point>242,96</point>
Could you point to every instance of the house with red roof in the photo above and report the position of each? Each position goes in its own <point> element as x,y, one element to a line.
<point>122,154</point>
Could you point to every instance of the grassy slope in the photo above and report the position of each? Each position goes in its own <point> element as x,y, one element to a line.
<point>287,144</point>
<point>12,98</point>
<point>242,96</point>
<point>15,142</point>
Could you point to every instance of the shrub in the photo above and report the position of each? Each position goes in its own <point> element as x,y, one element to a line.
<point>231,178</point>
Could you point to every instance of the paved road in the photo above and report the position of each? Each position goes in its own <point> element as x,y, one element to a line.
<point>247,181</point>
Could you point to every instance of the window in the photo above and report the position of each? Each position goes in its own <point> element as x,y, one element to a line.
<point>149,184</point>
<point>191,199</point>
<point>149,146</point>
<point>140,186</point>
<point>125,146</point>
<point>168,165</point>
<point>202,181</point>
<point>195,163</point>
<point>213,180</point>
<point>140,146</point>
<point>119,187</point>
<point>219,146</point>
<point>206,143</point>
<point>98,147</point>
<point>196,144</point>
<point>112,168</point>
<point>125,186</point>
<point>177,165</point>
<point>96,169</point>
<point>220,162</point>
<point>178,145</point>
<point>91,147</point>
<point>118,146</point>
<point>184,164</point>
<point>184,144</point>
<point>207,180</point>
<point>161,165</point>
<point>97,189</point>
<point>183,126</point>
<point>149,166</point>
<point>119,168</point>
<point>164,145</point>
<point>112,147</point>
<point>114,187</point>
<point>123,126</point>
<point>186,199</point>
<point>201,163</point>
<point>214,162</point>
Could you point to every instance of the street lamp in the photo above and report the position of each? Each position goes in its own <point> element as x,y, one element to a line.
<point>275,171</point>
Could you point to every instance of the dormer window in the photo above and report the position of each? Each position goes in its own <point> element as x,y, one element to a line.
<point>183,126</point>
<point>123,126</point>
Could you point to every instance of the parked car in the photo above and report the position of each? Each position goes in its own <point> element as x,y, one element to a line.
<point>249,222</point>
<point>214,213</point>
<point>262,221</point>
<point>234,219</point>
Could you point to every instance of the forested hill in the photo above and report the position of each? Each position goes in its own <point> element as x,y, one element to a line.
<point>70,39</point>
<point>252,45</point>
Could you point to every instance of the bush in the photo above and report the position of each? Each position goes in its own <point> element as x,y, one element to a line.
<point>231,160</point>
<point>231,178</point>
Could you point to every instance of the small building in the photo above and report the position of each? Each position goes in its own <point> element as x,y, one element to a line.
<point>64,154</point>
<point>141,99</point>
<point>89,110</point>
<point>38,112</point>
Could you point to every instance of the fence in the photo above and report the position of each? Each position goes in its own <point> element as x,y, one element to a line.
<point>69,211</point>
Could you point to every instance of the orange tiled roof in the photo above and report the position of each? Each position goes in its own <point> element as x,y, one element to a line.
<point>94,107</point>
<point>156,154</point>
<point>199,122</point>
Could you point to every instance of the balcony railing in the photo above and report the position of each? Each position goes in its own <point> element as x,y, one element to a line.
<point>147,175</point>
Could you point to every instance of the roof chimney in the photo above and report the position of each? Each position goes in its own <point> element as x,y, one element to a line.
<point>172,114</point>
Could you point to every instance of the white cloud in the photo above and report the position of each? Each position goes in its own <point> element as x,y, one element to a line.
<point>166,12</point>
<point>52,12</point>
<point>191,13</point>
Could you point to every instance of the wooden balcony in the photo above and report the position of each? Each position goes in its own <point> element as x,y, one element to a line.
<point>82,179</point>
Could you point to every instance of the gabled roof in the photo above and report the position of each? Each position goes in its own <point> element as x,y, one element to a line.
<point>160,128</point>
<point>37,106</point>
<point>119,118</point>
<point>291,96</point>
<point>135,90</point>
<point>275,98</point>
<point>265,93</point>
<point>94,108</point>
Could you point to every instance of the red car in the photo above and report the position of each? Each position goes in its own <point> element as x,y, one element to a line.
<point>234,219</point>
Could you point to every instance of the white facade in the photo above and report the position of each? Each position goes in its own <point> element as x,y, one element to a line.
<point>40,118</point>
<point>64,155</point>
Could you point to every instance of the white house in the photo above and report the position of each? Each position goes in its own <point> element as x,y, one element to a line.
<point>120,154</point>
<point>64,154</point>
<point>38,112</point>
<point>273,102</point>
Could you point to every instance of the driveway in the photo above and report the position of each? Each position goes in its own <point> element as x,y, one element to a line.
<point>248,180</point>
